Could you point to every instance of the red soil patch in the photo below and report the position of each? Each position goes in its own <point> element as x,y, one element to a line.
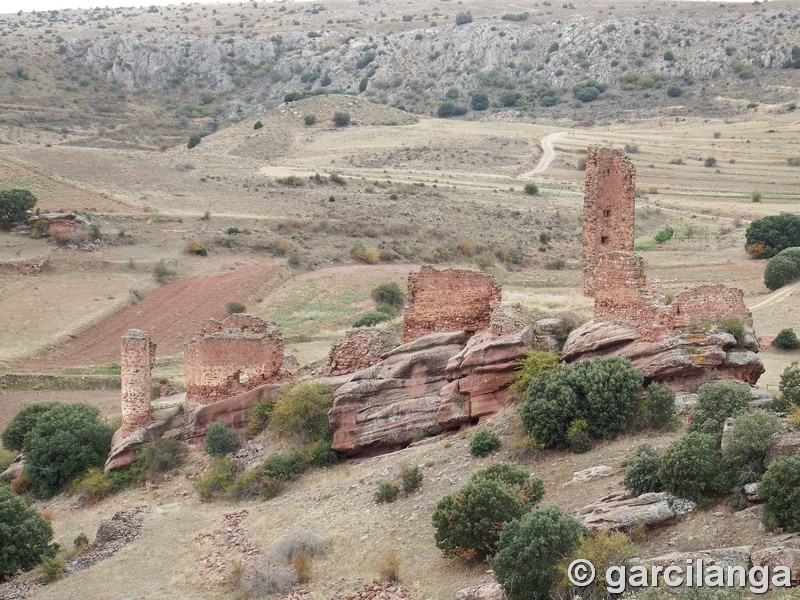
<point>172,315</point>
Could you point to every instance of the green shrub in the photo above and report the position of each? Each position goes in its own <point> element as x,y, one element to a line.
<point>24,535</point>
<point>285,467</point>
<point>479,101</point>
<point>450,109</point>
<point>664,235</point>
<point>780,488</point>
<point>23,423</point>
<point>235,307</point>
<point>790,384</point>
<point>691,466</point>
<point>362,253</point>
<point>259,418</point>
<point>786,340</point>
<point>782,269</point>
<point>96,484</point>
<point>531,189</point>
<point>258,125</point>
<point>218,479</point>
<point>194,139</point>
<point>341,118</point>
<point>220,440</point>
<point>302,410</point>
<point>463,18</point>
<point>254,485</point>
<point>716,401</point>
<point>412,479</point>
<point>6,458</point>
<point>603,549</point>
<point>387,493</point>
<point>66,440</point>
<point>710,162</point>
<point>162,273</point>
<point>309,119</point>
<point>674,91</point>
<point>515,478</point>
<point>764,238</point>
<point>605,392</point>
<point>15,206</point>
<point>529,549</point>
<point>483,443</point>
<point>52,568</point>
<point>641,472</point>
<point>533,364</point>
<point>157,457</point>
<point>319,454</point>
<point>80,541</point>
<point>659,405</point>
<point>578,436</point>
<point>390,294</point>
<point>749,441</point>
<point>372,318</point>
<point>468,522</point>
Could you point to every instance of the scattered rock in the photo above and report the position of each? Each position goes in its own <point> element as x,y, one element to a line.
<point>593,473</point>
<point>486,591</point>
<point>788,444</point>
<point>113,534</point>
<point>778,556</point>
<point>754,512</point>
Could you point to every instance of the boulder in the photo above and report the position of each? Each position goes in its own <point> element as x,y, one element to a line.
<point>594,473</point>
<point>385,406</point>
<point>788,444</point>
<point>486,591</point>
<point>479,374</point>
<point>736,556</point>
<point>778,556</point>
<point>124,447</point>
<point>751,492</point>
<point>16,467</point>
<point>619,512</point>
<point>685,359</point>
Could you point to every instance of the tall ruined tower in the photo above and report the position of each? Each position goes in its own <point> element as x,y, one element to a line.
<point>138,354</point>
<point>608,208</point>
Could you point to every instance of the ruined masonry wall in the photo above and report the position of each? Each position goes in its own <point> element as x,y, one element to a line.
<point>449,300</point>
<point>609,208</point>
<point>230,357</point>
<point>138,354</point>
<point>358,349</point>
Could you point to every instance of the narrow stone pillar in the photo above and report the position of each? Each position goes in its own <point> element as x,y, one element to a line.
<point>138,354</point>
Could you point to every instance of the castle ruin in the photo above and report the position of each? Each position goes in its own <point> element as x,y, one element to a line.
<point>137,357</point>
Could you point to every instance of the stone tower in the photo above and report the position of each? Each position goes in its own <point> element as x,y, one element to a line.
<point>138,354</point>
<point>608,208</point>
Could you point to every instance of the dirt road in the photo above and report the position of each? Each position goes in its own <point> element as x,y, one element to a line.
<point>549,153</point>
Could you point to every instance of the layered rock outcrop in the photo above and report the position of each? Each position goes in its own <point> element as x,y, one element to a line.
<point>388,404</point>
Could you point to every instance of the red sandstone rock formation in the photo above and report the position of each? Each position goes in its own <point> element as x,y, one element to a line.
<point>385,406</point>
<point>479,374</point>
<point>229,357</point>
<point>449,300</point>
<point>360,348</point>
<point>125,445</point>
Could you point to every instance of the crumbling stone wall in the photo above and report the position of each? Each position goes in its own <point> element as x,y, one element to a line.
<point>138,354</point>
<point>449,300</point>
<point>360,348</point>
<point>230,357</point>
<point>608,208</point>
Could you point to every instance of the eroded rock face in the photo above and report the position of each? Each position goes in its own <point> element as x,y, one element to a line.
<point>386,405</point>
<point>479,374</point>
<point>778,556</point>
<point>125,444</point>
<point>619,512</point>
<point>683,359</point>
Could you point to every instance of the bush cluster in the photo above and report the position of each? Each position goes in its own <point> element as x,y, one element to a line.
<point>786,340</point>
<point>764,238</point>
<point>641,472</point>
<point>468,522</point>
<point>716,401</point>
<point>15,206</point>
<point>410,481</point>
<point>780,487</point>
<point>790,384</point>
<point>604,392</point>
<point>783,268</point>
<point>389,294</point>
<point>24,535</point>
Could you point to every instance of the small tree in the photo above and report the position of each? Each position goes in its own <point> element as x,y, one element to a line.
<point>66,440</point>
<point>786,340</point>
<point>716,401</point>
<point>220,440</point>
<point>691,466</point>
<point>479,101</point>
<point>531,189</point>
<point>15,206</point>
<point>659,405</point>
<point>23,422</point>
<point>302,410</point>
<point>641,473</point>
<point>258,125</point>
<point>530,547</point>
<point>341,118</point>
<point>463,18</point>
<point>24,535</point>
<point>780,487</point>
<point>483,443</point>
<point>749,441</point>
<point>194,139</point>
<point>790,384</point>
<point>390,294</point>
<point>783,268</point>
<point>309,119</point>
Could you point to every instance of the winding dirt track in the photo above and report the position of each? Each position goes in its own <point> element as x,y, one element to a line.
<point>548,154</point>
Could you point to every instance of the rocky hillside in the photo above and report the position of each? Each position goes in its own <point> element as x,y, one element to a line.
<point>580,62</point>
